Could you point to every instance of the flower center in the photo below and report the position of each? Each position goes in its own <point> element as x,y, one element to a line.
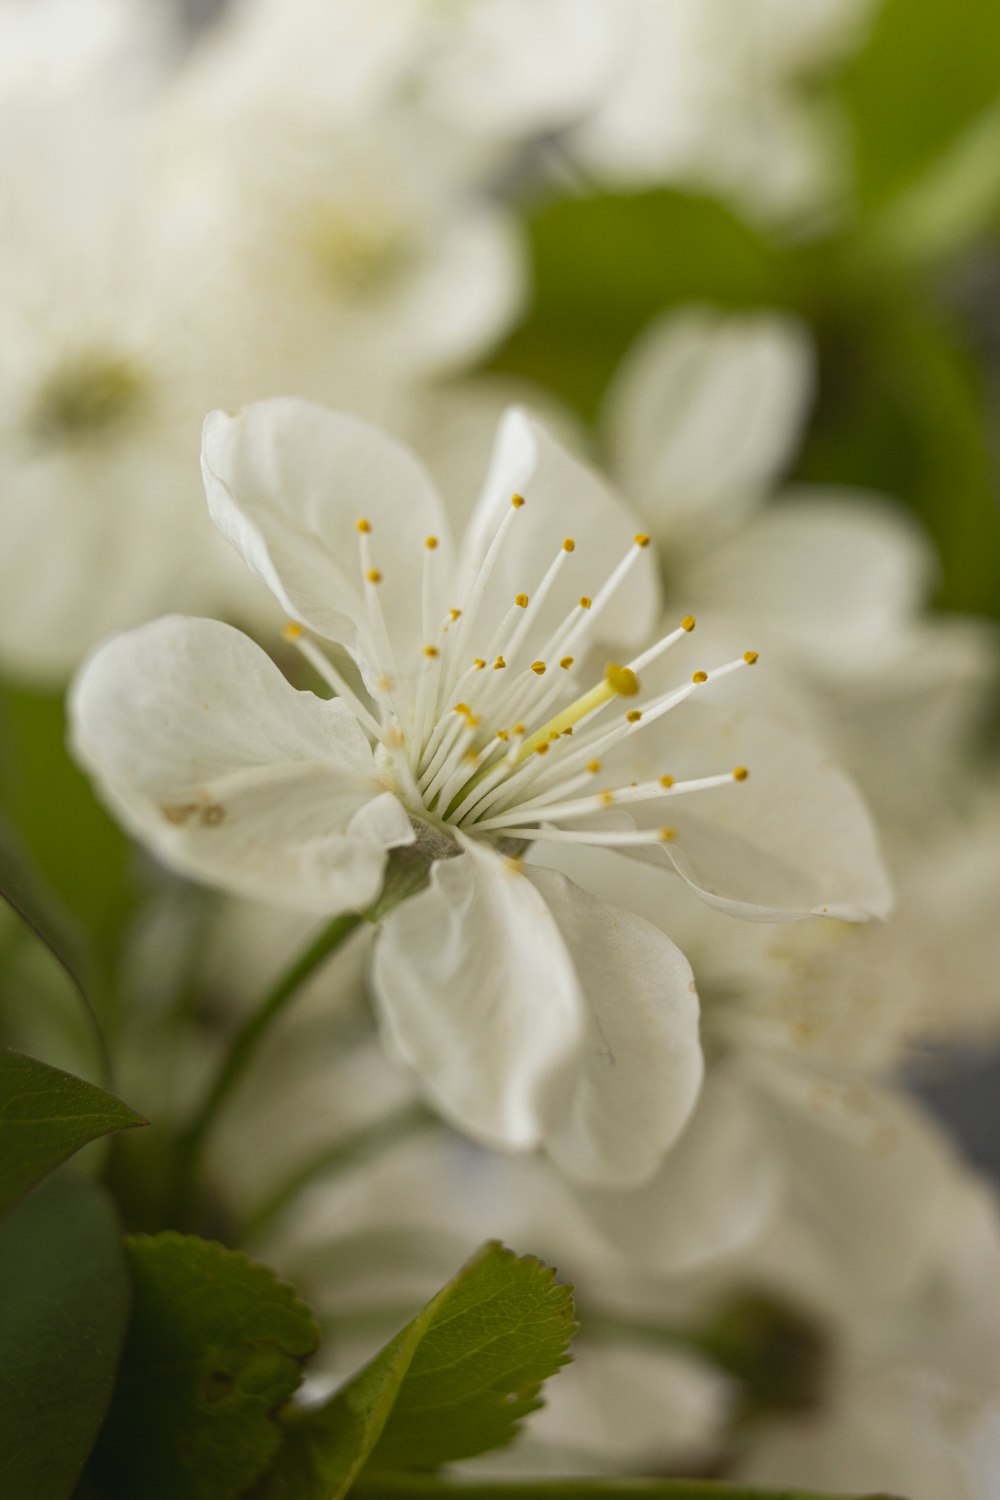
<point>356,250</point>
<point>85,397</point>
<point>491,738</point>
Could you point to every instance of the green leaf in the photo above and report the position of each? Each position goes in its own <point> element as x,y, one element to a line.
<point>214,1350</point>
<point>45,1116</point>
<point>80,850</point>
<point>903,409</point>
<point>604,266</point>
<point>927,74</point>
<point>455,1382</point>
<point>64,1305</point>
<point>23,890</point>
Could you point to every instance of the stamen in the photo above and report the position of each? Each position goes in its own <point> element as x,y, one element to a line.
<point>622,839</point>
<point>545,804</point>
<point>478,590</point>
<point>294,633</point>
<point>427,611</point>
<point>385,659</point>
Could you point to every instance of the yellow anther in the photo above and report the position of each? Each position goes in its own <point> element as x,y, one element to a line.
<point>666,835</point>
<point>688,623</point>
<point>606,798</point>
<point>634,715</point>
<point>471,721</point>
<point>666,781</point>
<point>454,614</point>
<point>567,662</point>
<point>740,773</point>
<point>503,734</point>
<point>499,664</point>
<point>568,544</point>
<point>584,601</point>
<point>553,735</point>
<point>373,575</point>
<point>292,631</point>
<point>641,539</point>
<point>543,748</point>
<point>538,667</point>
<point>430,652</point>
<point>431,543</point>
<point>750,657</point>
<point>568,729</point>
<point>593,766</point>
<point>478,663</point>
<point>384,684</point>
<point>521,601</point>
<point>518,729</point>
<point>517,501</point>
<point>699,677</point>
<point>363,526</point>
<point>621,680</point>
<point>462,708</point>
<point>470,755</point>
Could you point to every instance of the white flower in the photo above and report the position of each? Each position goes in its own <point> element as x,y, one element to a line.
<point>482,68</point>
<point>480,728</point>
<point>700,422</point>
<point>99,490</point>
<point>710,95</point>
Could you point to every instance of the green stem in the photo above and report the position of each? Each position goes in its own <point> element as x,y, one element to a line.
<point>415,1486</point>
<point>243,1047</point>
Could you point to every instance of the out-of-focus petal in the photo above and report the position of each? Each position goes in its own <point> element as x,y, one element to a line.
<point>704,413</point>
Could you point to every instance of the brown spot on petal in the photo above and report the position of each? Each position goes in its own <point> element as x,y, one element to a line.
<point>178,813</point>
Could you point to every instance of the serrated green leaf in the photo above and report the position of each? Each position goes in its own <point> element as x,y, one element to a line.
<point>64,1297</point>
<point>455,1382</point>
<point>927,73</point>
<point>603,267</point>
<point>214,1350</point>
<point>45,1116</point>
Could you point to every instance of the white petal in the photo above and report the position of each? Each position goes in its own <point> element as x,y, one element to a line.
<point>622,1405</point>
<point>870,1175</point>
<point>832,575</point>
<point>462,298</point>
<point>711,1197</point>
<point>704,412</point>
<point>793,840</point>
<point>477,992</point>
<point>287,482</point>
<point>538,1015</point>
<point>637,1078</point>
<point>882,1429</point>
<point>230,774</point>
<point>563,498</point>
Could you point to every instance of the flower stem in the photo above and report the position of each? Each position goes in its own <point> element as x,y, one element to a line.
<point>242,1049</point>
<point>428,1487</point>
